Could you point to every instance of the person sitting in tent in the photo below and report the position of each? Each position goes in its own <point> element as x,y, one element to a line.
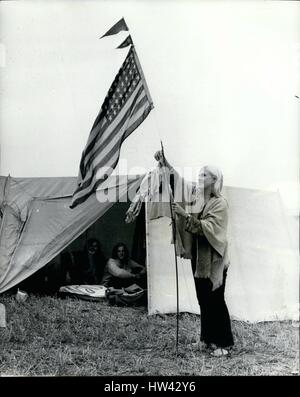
<point>84,267</point>
<point>206,224</point>
<point>121,271</point>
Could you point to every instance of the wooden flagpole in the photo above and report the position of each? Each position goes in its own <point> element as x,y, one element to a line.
<point>175,252</point>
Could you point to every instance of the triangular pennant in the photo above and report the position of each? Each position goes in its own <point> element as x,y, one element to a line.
<point>128,41</point>
<point>118,27</point>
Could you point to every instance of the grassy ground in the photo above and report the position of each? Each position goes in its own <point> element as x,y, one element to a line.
<point>58,337</point>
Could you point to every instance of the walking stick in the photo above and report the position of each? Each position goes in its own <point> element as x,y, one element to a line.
<point>175,253</point>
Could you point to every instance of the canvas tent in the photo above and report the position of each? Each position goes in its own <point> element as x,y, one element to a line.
<point>263,280</point>
<point>37,223</point>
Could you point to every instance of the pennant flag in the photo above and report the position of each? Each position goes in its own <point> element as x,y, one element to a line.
<point>128,41</point>
<point>118,27</point>
<point>125,107</point>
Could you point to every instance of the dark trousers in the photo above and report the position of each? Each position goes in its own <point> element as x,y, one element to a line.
<point>215,320</point>
<point>118,283</point>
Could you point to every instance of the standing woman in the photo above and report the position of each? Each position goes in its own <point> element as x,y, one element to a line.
<point>208,227</point>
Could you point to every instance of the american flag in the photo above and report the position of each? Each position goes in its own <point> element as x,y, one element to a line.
<point>125,107</point>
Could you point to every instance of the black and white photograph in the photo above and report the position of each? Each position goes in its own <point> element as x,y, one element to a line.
<point>149,191</point>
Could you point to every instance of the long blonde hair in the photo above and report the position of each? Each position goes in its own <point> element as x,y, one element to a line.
<point>218,185</point>
<point>196,204</point>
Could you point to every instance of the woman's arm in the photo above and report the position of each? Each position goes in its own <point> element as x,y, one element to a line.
<point>116,271</point>
<point>193,225</point>
<point>136,265</point>
<point>214,222</point>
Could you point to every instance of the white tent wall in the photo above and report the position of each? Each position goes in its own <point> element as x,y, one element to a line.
<point>162,272</point>
<point>263,277</point>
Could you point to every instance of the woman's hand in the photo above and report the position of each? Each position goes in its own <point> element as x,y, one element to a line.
<point>159,157</point>
<point>179,210</point>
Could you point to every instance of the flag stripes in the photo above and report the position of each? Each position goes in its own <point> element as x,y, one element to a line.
<point>113,138</point>
<point>105,148</point>
<point>106,134</point>
<point>125,107</point>
<point>110,159</point>
<point>101,126</point>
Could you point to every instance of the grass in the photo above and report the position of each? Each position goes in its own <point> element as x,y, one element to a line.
<point>48,336</point>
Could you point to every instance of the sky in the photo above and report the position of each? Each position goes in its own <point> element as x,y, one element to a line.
<point>223,76</point>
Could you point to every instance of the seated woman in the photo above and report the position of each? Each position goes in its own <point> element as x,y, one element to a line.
<point>121,271</point>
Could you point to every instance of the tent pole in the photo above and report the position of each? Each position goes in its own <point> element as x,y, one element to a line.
<point>4,189</point>
<point>175,252</point>
<point>86,237</point>
<point>2,210</point>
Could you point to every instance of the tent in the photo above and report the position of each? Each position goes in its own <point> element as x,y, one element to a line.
<point>37,224</point>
